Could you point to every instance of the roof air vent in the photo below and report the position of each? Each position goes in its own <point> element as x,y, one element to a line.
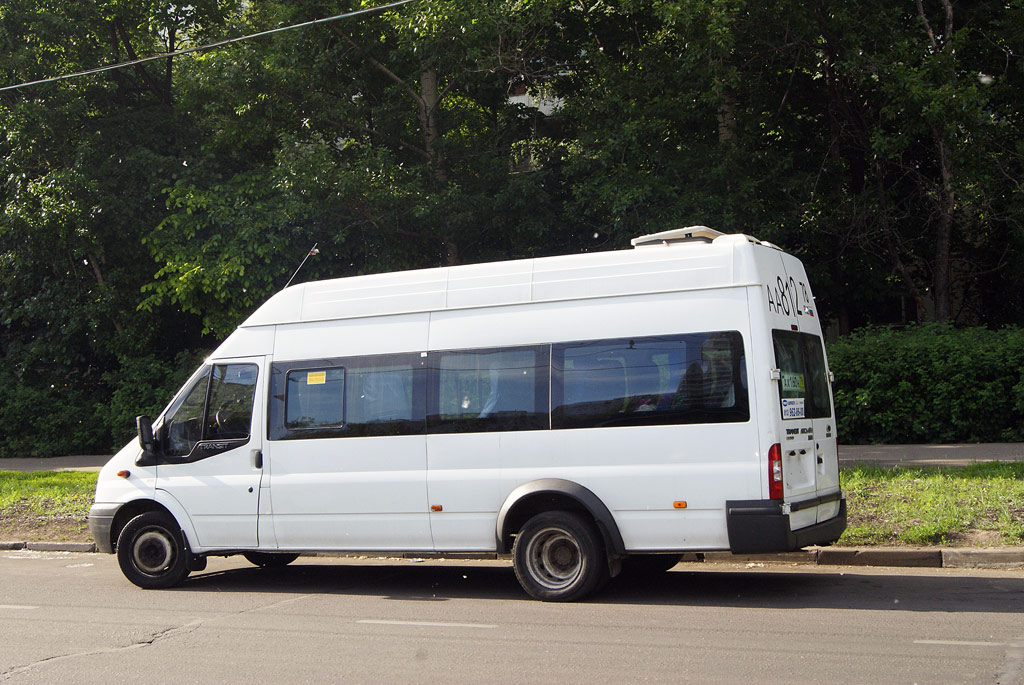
<point>701,234</point>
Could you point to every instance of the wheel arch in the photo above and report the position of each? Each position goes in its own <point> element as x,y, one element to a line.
<point>166,504</point>
<point>127,512</point>
<point>554,494</point>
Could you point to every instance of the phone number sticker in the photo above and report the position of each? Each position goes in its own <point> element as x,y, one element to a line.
<point>793,408</point>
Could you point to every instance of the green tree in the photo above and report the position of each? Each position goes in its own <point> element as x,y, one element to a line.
<point>83,164</point>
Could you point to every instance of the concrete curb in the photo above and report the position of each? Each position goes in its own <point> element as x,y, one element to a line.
<point>80,547</point>
<point>942,557</point>
<point>957,557</point>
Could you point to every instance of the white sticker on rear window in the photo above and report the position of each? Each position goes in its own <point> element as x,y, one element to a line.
<point>793,408</point>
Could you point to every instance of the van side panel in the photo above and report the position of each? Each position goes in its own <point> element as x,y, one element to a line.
<point>352,337</point>
<point>638,472</point>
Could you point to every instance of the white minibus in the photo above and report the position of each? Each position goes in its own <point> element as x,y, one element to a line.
<point>588,414</point>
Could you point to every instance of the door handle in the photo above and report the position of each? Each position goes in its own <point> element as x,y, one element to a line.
<point>257,459</point>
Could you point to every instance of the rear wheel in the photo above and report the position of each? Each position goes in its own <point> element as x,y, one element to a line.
<point>558,557</point>
<point>269,559</point>
<point>152,552</point>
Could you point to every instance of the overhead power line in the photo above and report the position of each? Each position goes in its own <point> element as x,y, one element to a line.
<point>208,46</point>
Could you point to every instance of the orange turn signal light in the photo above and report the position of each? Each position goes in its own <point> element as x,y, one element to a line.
<point>123,474</point>
<point>679,505</point>
<point>435,507</point>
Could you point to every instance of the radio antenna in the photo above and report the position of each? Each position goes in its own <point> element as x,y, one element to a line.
<point>312,253</point>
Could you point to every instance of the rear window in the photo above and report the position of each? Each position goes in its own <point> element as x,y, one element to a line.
<point>803,384</point>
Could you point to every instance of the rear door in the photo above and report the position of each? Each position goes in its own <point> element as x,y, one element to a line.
<point>819,390</point>
<point>797,410</point>
<point>809,450</point>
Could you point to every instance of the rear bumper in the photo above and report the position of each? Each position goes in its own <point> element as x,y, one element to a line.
<point>761,526</point>
<point>101,519</point>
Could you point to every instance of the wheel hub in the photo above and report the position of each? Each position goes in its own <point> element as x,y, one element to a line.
<point>555,558</point>
<point>153,552</point>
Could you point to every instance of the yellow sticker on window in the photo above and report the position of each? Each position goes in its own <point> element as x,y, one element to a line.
<point>316,378</point>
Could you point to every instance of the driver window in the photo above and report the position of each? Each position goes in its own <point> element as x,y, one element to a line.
<point>218,406</point>
<point>229,412</point>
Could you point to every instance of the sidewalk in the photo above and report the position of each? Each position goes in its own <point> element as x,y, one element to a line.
<point>878,455</point>
<point>930,455</point>
<point>86,462</point>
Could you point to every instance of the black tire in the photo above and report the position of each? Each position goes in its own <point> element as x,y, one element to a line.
<point>649,564</point>
<point>559,557</point>
<point>269,559</point>
<point>152,552</point>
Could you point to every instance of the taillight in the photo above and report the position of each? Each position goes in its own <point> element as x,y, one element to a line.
<point>775,471</point>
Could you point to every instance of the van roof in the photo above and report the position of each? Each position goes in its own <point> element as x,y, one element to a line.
<point>693,258</point>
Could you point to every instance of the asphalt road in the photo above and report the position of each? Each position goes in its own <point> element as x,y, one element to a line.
<point>74,618</point>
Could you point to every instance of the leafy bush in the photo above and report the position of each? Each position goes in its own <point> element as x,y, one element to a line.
<point>929,383</point>
<point>65,413</point>
<point>144,385</point>
<point>45,419</point>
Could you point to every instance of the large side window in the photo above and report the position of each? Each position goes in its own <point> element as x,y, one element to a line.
<point>217,406</point>
<point>348,397</point>
<point>379,398</point>
<point>693,378</point>
<point>804,391</point>
<point>490,390</point>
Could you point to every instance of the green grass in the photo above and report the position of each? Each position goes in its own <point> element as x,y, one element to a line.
<point>978,504</point>
<point>60,493</point>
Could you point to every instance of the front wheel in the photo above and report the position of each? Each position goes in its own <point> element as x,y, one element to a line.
<point>151,551</point>
<point>558,557</point>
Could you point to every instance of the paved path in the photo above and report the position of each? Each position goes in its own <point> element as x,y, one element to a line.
<point>880,455</point>
<point>88,462</point>
<point>931,455</point>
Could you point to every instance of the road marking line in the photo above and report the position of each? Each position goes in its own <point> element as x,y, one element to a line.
<point>426,624</point>
<point>959,643</point>
<point>17,606</point>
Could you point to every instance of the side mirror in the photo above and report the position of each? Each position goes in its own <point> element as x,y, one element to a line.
<point>150,451</point>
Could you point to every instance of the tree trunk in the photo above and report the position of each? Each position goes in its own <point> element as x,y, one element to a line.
<point>94,265</point>
<point>430,99</point>
<point>941,268</point>
<point>727,118</point>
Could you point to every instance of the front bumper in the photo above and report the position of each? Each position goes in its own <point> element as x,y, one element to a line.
<point>101,520</point>
<point>757,526</point>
